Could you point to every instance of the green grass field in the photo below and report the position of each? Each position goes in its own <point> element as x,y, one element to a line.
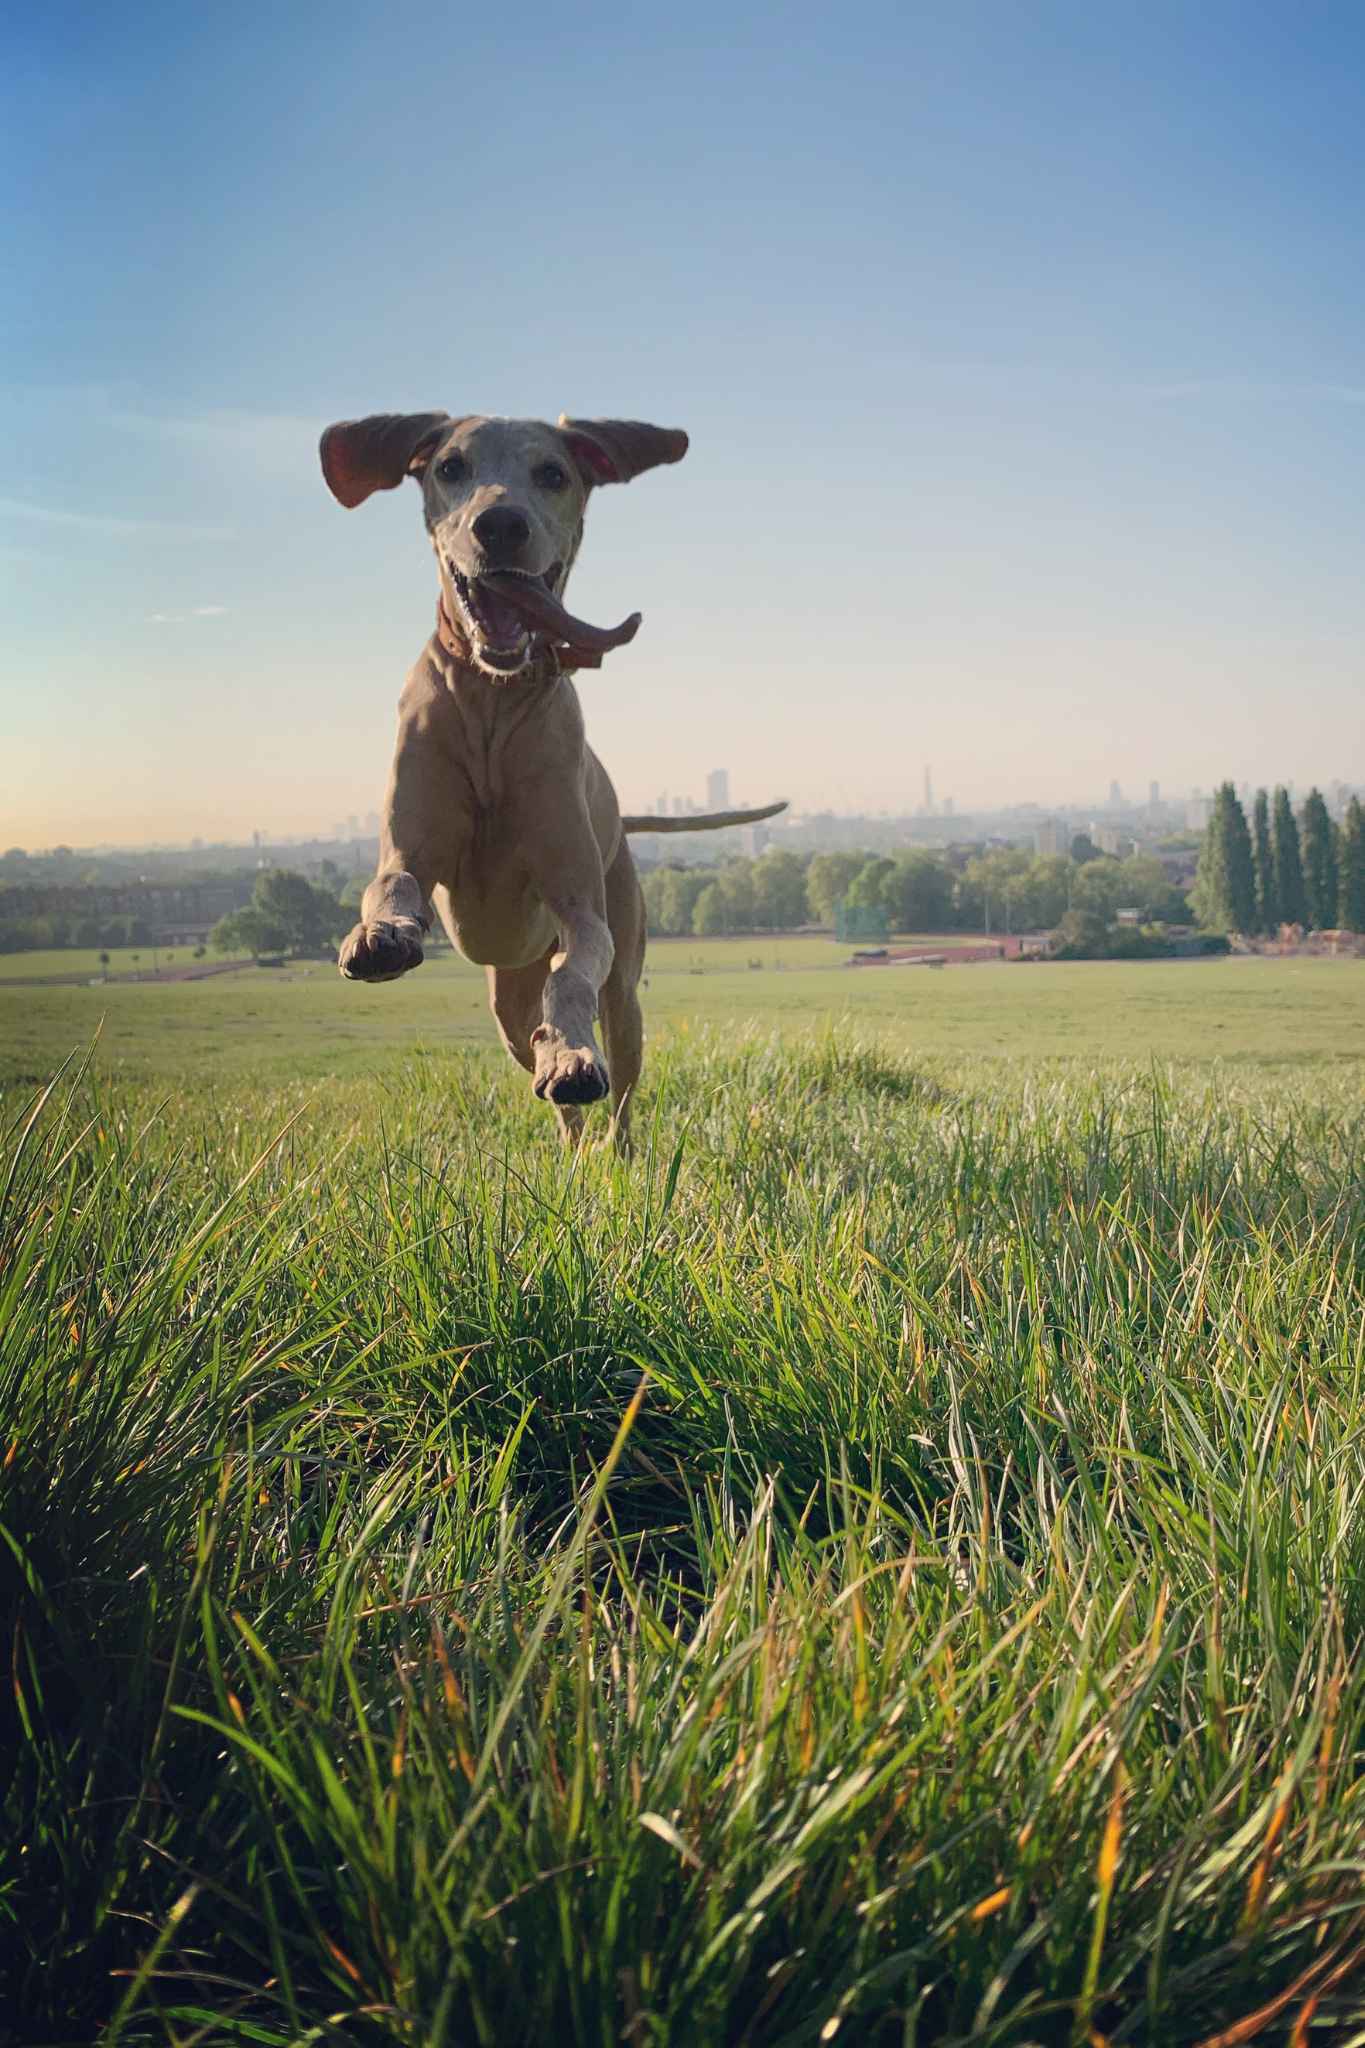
<point>885,1566</point>
<point>303,1022</point>
<point>84,961</point>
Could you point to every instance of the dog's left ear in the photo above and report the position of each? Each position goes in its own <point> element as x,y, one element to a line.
<point>614,451</point>
<point>375,454</point>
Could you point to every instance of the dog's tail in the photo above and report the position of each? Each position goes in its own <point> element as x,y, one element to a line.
<point>707,821</point>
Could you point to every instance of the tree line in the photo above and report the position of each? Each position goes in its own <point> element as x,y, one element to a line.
<point>1253,877</point>
<point>1006,889</point>
<point>1280,869</point>
<point>58,929</point>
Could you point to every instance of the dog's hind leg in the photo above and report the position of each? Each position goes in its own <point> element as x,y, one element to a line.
<point>516,996</point>
<point>622,1023</point>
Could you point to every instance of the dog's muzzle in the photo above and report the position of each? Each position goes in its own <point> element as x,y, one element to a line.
<point>507,614</point>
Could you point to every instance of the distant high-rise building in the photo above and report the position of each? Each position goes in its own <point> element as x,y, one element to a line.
<point>718,790</point>
<point>680,806</point>
<point>1154,794</point>
<point>1115,793</point>
<point>928,792</point>
<point>1052,836</point>
<point>948,807</point>
<point>661,805</point>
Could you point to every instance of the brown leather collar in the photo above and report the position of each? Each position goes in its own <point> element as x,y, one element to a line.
<point>561,660</point>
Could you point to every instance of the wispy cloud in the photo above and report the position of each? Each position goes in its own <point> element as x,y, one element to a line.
<point>199,611</point>
<point>277,443</point>
<point>106,522</point>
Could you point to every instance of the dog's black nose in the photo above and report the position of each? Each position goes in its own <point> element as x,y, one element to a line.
<point>502,531</point>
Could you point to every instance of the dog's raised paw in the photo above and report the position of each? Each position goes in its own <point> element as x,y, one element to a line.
<point>380,952</point>
<point>569,1074</point>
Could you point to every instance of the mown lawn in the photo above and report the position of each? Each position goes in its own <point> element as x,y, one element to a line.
<point>304,1022</point>
<point>85,961</point>
<point>888,1565</point>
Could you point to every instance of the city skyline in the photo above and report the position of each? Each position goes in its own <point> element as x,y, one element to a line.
<point>1050,824</point>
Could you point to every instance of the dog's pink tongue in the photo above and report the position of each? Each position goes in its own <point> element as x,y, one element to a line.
<point>539,608</point>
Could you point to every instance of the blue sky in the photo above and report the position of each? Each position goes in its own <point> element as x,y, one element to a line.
<point>1022,348</point>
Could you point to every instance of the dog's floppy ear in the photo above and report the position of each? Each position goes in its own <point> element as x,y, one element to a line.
<point>614,451</point>
<point>375,454</point>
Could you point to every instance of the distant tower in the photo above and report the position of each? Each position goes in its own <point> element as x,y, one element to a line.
<point>1154,794</point>
<point>718,790</point>
<point>1115,793</point>
<point>928,792</point>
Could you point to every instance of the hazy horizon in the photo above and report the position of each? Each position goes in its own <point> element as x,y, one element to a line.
<point>1022,361</point>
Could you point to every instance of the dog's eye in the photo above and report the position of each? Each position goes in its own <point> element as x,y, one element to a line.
<point>450,469</point>
<point>551,477</point>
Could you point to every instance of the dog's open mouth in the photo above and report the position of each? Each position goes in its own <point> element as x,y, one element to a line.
<point>507,612</point>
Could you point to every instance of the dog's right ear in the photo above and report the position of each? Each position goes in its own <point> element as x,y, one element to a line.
<point>375,454</point>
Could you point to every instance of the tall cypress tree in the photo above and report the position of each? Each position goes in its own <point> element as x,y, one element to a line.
<point>1224,892</point>
<point>1241,867</point>
<point>1263,853</point>
<point>1319,862</point>
<point>1208,894</point>
<point>1293,903</point>
<point>1351,908</point>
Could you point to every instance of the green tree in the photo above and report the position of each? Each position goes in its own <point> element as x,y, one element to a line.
<point>1099,887</point>
<point>310,917</point>
<point>1263,855</point>
<point>827,882</point>
<point>1224,893</point>
<point>652,888</point>
<point>1145,886</point>
<point>864,892</point>
<point>736,884</point>
<point>1351,909</point>
<point>248,930</point>
<point>684,887</point>
<point>708,912</point>
<point>779,890</point>
<point>1319,842</point>
<point>1292,901</point>
<point>287,914</point>
<point>670,894</point>
<point>1045,891</point>
<point>983,894</point>
<point>1241,866</point>
<point>1081,935</point>
<point>917,895</point>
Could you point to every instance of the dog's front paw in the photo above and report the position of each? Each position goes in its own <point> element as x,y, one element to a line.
<point>567,1073</point>
<point>381,952</point>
